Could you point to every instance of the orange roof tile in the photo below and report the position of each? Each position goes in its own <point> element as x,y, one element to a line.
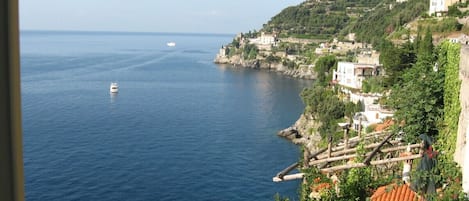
<point>395,192</point>
<point>383,126</point>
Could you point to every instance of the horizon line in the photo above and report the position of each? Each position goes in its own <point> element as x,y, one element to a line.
<point>126,32</point>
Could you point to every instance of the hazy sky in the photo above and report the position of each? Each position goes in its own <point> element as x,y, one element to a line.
<point>196,16</point>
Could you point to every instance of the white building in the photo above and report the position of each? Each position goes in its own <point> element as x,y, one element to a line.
<point>437,6</point>
<point>267,39</point>
<point>352,74</point>
<point>264,39</point>
<point>441,6</point>
<point>373,112</point>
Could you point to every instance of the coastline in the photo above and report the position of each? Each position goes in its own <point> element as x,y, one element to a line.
<point>303,133</point>
<point>302,72</point>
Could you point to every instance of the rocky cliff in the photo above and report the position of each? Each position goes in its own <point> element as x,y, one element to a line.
<point>302,72</point>
<point>304,132</point>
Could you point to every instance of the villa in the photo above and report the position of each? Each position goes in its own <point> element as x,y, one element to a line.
<point>265,41</point>
<point>351,75</point>
<point>373,112</point>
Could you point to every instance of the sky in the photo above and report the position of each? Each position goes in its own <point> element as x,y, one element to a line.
<point>185,16</point>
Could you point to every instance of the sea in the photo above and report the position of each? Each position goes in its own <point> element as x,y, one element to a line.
<point>181,128</point>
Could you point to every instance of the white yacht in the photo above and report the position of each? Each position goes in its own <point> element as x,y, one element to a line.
<point>114,88</point>
<point>171,44</point>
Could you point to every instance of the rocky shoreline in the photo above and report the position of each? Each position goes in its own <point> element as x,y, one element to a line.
<point>301,72</point>
<point>303,132</point>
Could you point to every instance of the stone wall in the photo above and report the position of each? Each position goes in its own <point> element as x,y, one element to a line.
<point>463,132</point>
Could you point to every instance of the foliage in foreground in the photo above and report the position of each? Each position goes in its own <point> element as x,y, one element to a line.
<point>353,184</point>
<point>426,100</point>
<point>418,98</point>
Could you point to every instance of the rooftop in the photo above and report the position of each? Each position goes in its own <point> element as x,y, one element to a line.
<point>394,192</point>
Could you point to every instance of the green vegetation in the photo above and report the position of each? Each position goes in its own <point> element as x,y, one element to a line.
<point>354,184</point>
<point>449,59</point>
<point>273,59</point>
<point>454,10</point>
<point>445,25</point>
<point>449,172</point>
<point>374,26</point>
<point>373,85</point>
<point>250,51</point>
<point>323,68</point>
<point>395,60</point>
<point>317,19</point>
<point>277,197</point>
<point>446,174</point>
<point>418,97</point>
<point>426,100</point>
<point>325,106</point>
<point>306,22</point>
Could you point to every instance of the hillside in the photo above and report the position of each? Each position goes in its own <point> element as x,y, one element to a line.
<point>323,19</point>
<point>289,41</point>
<point>370,20</point>
<point>386,19</point>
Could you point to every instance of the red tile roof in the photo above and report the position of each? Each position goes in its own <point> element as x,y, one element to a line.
<point>395,192</point>
<point>383,126</point>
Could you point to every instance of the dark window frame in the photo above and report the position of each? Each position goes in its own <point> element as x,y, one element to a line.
<point>11,142</point>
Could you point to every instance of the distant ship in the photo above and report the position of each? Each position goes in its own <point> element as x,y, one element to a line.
<point>171,44</point>
<point>114,88</point>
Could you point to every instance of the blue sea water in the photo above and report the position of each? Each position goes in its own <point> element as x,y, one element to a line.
<point>180,128</point>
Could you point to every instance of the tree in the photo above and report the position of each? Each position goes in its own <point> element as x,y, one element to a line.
<point>235,43</point>
<point>357,182</point>
<point>323,67</point>
<point>426,46</point>
<point>373,85</point>
<point>272,59</point>
<point>352,108</point>
<point>454,11</point>
<point>395,60</point>
<point>325,106</point>
<point>390,57</point>
<point>250,51</point>
<point>418,99</point>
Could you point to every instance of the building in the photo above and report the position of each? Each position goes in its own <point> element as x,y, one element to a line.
<point>352,74</point>
<point>264,39</point>
<point>395,192</point>
<point>459,38</point>
<point>267,39</point>
<point>373,115</point>
<point>437,7</point>
<point>368,57</point>
<point>373,112</point>
<point>441,6</point>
